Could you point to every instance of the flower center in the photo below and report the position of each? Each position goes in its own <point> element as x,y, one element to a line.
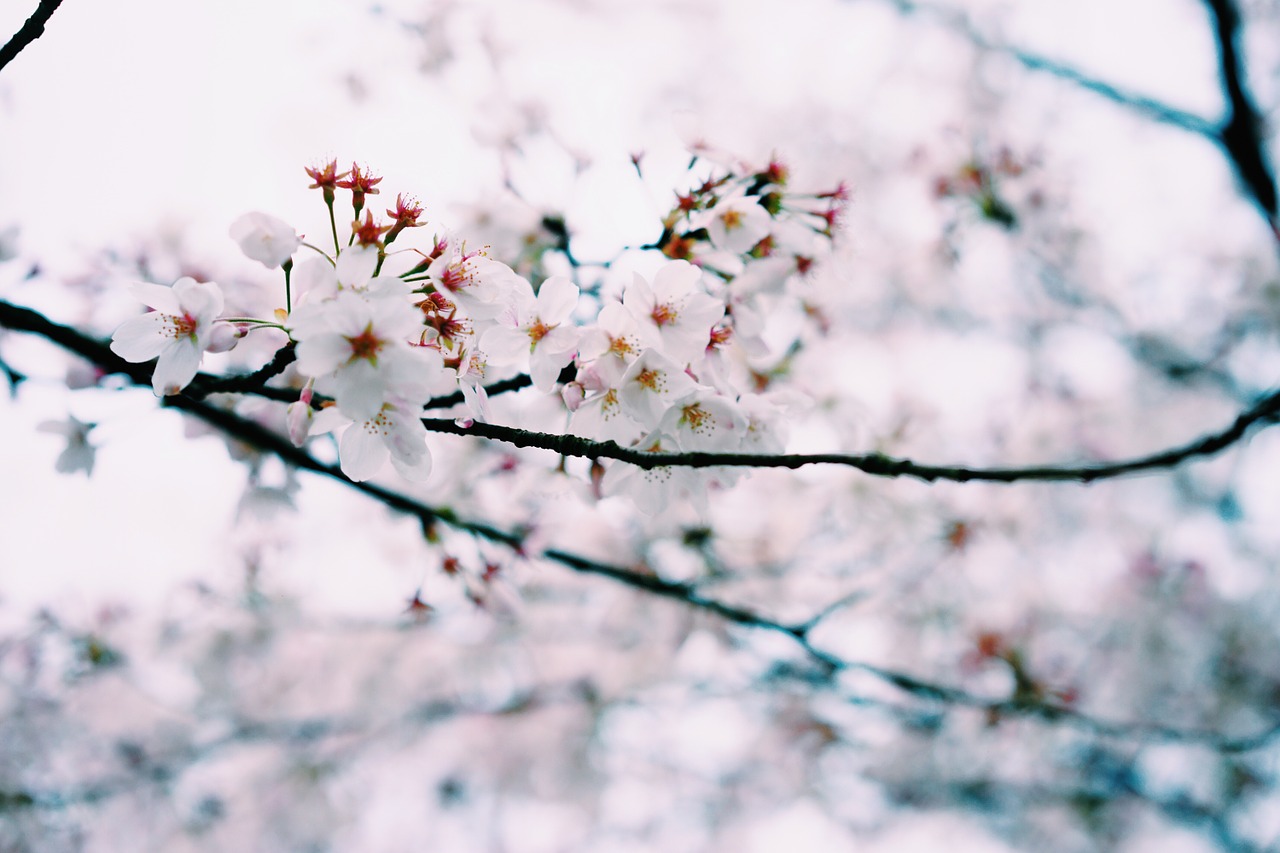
<point>664,314</point>
<point>621,346</point>
<point>649,378</point>
<point>732,219</point>
<point>609,405</point>
<point>538,330</point>
<point>696,418</point>
<point>366,345</point>
<point>184,326</point>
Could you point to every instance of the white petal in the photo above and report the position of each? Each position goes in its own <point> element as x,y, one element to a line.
<point>176,368</point>
<point>543,372</point>
<point>322,354</point>
<point>356,265</point>
<point>359,391</point>
<point>361,451</point>
<point>313,280</point>
<point>504,344</point>
<point>675,280</point>
<point>142,338</point>
<point>557,298</point>
<point>202,300</point>
<point>156,296</point>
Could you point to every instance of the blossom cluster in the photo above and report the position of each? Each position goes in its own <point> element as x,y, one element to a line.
<point>379,332</point>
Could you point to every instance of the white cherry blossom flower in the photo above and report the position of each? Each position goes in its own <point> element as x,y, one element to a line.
<point>539,328</point>
<point>597,408</point>
<point>616,338</point>
<point>655,489</point>
<point>358,350</point>
<point>677,308</point>
<point>317,280</point>
<point>479,284</point>
<point>705,421</point>
<point>177,332</point>
<point>265,239</point>
<point>650,385</point>
<point>394,432</point>
<point>767,417</point>
<point>736,224</point>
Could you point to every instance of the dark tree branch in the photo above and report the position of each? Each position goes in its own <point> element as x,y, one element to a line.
<point>1241,132</point>
<point>266,440</point>
<point>689,595</point>
<point>31,30</point>
<point>1264,412</point>
<point>877,464</point>
<point>251,382</point>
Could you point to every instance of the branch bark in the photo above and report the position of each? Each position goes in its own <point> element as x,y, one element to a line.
<point>1263,413</point>
<point>30,31</point>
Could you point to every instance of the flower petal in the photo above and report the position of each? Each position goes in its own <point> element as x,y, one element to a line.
<point>176,368</point>
<point>156,296</point>
<point>361,451</point>
<point>557,298</point>
<point>142,338</point>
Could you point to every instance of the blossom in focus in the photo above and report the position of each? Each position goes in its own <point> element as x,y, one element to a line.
<point>677,307</point>
<point>265,239</point>
<point>616,339</point>
<point>479,284</point>
<point>316,279</point>
<point>597,409</point>
<point>655,489</point>
<point>177,332</point>
<point>357,348</point>
<point>539,328</point>
<point>394,432</point>
<point>651,384</point>
<point>705,421</point>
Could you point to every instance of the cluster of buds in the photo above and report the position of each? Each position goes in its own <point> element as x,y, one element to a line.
<point>979,181</point>
<point>752,214</point>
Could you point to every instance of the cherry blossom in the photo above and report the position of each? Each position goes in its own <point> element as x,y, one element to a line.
<point>705,421</point>
<point>79,453</point>
<point>394,432</point>
<point>654,490</point>
<point>677,308</point>
<point>538,327</point>
<point>177,332</point>
<point>737,223</point>
<point>650,385</point>
<point>479,284</point>
<point>597,408</point>
<point>318,279</point>
<point>616,339</point>
<point>265,239</point>
<point>358,350</point>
